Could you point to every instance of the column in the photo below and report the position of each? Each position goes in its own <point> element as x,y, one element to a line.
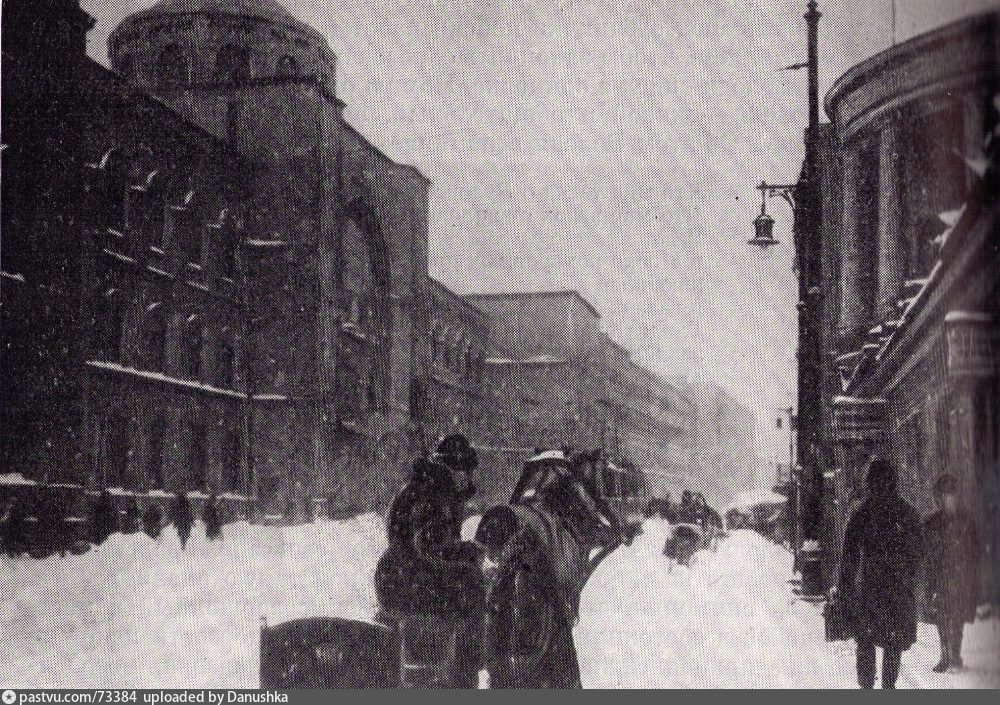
<point>890,245</point>
<point>852,253</point>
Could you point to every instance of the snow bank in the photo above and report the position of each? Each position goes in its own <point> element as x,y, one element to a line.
<point>751,498</point>
<point>730,621</point>
<point>142,613</point>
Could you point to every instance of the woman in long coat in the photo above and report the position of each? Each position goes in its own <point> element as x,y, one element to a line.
<point>878,575</point>
<point>951,547</point>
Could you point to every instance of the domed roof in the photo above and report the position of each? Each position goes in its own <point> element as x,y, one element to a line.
<point>271,10</point>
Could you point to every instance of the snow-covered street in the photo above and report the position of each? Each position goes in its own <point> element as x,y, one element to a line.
<point>141,613</point>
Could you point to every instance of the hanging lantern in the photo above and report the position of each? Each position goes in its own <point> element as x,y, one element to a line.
<point>763,224</point>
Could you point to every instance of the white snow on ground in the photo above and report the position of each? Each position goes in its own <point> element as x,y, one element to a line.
<point>732,620</point>
<point>141,613</point>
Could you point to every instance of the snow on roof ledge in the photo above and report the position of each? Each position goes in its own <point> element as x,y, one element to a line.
<point>845,400</point>
<point>549,455</point>
<point>968,317</point>
<point>15,478</point>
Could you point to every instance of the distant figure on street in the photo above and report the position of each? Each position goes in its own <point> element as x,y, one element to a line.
<point>15,529</point>
<point>103,519</point>
<point>132,517</point>
<point>182,517</point>
<point>951,548</point>
<point>152,521</point>
<point>878,575</point>
<point>212,516</point>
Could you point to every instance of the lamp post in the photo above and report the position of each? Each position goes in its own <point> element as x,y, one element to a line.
<point>805,200</point>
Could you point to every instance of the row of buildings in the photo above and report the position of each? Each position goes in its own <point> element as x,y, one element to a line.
<point>899,254</point>
<point>213,282</point>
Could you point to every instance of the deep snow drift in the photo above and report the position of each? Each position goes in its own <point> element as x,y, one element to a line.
<point>141,613</point>
<point>732,620</point>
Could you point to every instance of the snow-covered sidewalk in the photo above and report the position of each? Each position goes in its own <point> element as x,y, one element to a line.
<point>142,613</point>
<point>732,621</point>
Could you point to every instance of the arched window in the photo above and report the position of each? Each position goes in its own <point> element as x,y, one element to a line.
<point>197,457</point>
<point>156,336</point>
<point>171,66</point>
<point>109,326</point>
<point>154,455</point>
<point>287,67</point>
<point>117,451</point>
<point>193,343</point>
<point>232,454</point>
<point>232,64</point>
<point>225,365</point>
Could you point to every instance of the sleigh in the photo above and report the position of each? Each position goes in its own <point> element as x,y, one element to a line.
<point>684,541</point>
<point>545,544</point>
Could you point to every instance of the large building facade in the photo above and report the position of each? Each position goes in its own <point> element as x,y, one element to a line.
<point>907,293</point>
<point>213,283</point>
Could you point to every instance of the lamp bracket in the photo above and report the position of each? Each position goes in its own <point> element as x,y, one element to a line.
<point>785,191</point>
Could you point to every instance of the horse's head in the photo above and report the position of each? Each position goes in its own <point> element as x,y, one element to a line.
<point>567,487</point>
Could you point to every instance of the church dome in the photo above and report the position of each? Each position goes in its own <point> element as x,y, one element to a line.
<point>270,10</point>
<point>179,43</point>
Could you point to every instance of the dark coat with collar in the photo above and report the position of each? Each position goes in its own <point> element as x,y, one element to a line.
<point>878,571</point>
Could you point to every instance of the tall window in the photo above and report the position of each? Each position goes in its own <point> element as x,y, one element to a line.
<point>156,336</point>
<point>228,246</point>
<point>226,365</point>
<point>154,456</point>
<point>109,328</point>
<point>172,66</point>
<point>198,457</point>
<point>232,65</point>
<point>232,453</point>
<point>868,196</point>
<point>193,344</point>
<point>190,224</point>
<point>117,451</point>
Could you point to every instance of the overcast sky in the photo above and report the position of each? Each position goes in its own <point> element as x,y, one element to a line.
<point>610,147</point>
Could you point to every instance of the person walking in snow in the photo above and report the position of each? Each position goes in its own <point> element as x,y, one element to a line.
<point>427,568</point>
<point>182,517</point>
<point>152,521</point>
<point>951,548</point>
<point>877,576</point>
<point>212,516</point>
<point>132,518</point>
<point>104,519</point>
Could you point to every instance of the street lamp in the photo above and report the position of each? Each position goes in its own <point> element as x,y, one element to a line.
<point>763,224</point>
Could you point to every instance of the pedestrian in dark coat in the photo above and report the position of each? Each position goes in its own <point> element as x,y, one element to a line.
<point>427,568</point>
<point>951,549</point>
<point>182,517</point>
<point>877,575</point>
<point>104,519</point>
<point>152,521</point>
<point>15,529</point>
<point>212,516</point>
<point>132,518</point>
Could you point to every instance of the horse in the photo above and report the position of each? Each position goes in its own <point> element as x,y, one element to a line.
<point>541,548</point>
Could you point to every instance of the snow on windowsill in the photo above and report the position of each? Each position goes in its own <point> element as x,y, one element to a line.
<point>185,383</point>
